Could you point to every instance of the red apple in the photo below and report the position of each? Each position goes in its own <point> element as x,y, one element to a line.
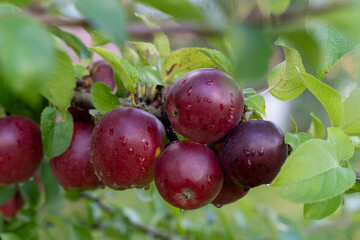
<point>253,153</point>
<point>188,175</point>
<point>11,207</point>
<point>124,147</point>
<point>204,105</point>
<point>73,169</point>
<point>20,149</point>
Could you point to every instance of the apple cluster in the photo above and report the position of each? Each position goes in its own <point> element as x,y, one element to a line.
<point>223,158</point>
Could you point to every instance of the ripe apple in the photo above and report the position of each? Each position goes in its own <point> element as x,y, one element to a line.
<point>229,193</point>
<point>124,147</point>
<point>204,105</point>
<point>73,169</point>
<point>253,153</point>
<point>188,175</point>
<point>11,207</point>
<point>20,149</point>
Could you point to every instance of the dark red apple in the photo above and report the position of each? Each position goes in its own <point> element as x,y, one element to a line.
<point>229,193</point>
<point>204,105</point>
<point>73,169</point>
<point>101,71</point>
<point>254,152</point>
<point>20,149</point>
<point>124,147</point>
<point>11,207</point>
<point>188,175</point>
<point>80,114</point>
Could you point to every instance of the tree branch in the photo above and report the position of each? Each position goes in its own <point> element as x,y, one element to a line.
<point>111,211</point>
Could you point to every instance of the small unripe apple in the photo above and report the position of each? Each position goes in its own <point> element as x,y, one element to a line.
<point>11,207</point>
<point>73,169</point>
<point>253,153</point>
<point>188,175</point>
<point>204,105</point>
<point>20,149</point>
<point>124,147</point>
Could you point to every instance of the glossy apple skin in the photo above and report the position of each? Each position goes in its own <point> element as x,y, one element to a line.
<point>254,152</point>
<point>11,207</point>
<point>204,105</point>
<point>73,169</point>
<point>229,193</point>
<point>188,175</point>
<point>124,147</point>
<point>20,149</point>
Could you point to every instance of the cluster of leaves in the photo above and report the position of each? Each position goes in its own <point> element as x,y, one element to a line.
<point>37,79</point>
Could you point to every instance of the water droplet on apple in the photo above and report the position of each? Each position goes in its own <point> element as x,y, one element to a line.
<point>209,82</point>
<point>232,109</point>
<point>261,151</point>
<point>198,98</point>
<point>218,205</point>
<point>268,184</point>
<point>131,150</point>
<point>146,145</point>
<point>246,153</point>
<point>212,128</point>
<point>189,91</point>
<point>249,163</point>
<point>252,153</point>
<point>123,140</point>
<point>111,131</point>
<point>232,97</point>
<point>207,100</point>
<point>210,179</point>
<point>115,154</point>
<point>140,159</point>
<point>188,106</point>
<point>182,210</point>
<point>21,130</point>
<point>221,107</point>
<point>143,169</point>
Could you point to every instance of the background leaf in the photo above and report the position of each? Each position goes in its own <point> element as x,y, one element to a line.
<point>6,193</point>
<point>283,79</point>
<point>296,139</point>
<point>312,173</point>
<point>351,121</point>
<point>342,143</point>
<point>322,209</point>
<point>107,17</point>
<point>56,131</point>
<point>103,99</point>
<point>149,75</point>
<point>329,98</point>
<point>316,128</point>
<point>60,87</point>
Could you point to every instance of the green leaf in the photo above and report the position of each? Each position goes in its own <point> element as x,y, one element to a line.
<point>31,193</point>
<point>6,8</point>
<point>328,97</point>
<point>80,233</point>
<point>222,62</point>
<point>27,53</point>
<point>312,173</point>
<point>252,53</point>
<point>354,189</point>
<point>102,98</point>
<point>130,54</point>
<point>6,193</point>
<point>341,142</point>
<point>9,236</point>
<point>333,43</point>
<point>126,71</point>
<point>56,131</point>
<point>293,125</point>
<point>149,75</point>
<point>107,17</point>
<point>277,7</point>
<point>295,140</point>
<point>51,186</point>
<point>80,71</point>
<point>283,79</point>
<point>316,127</point>
<point>60,87</point>
<point>98,37</point>
<point>72,41</point>
<point>322,209</point>
<point>147,52</point>
<point>183,61</point>
<point>351,121</point>
<point>2,112</point>
<point>180,9</point>
<point>161,41</point>
<point>256,102</point>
